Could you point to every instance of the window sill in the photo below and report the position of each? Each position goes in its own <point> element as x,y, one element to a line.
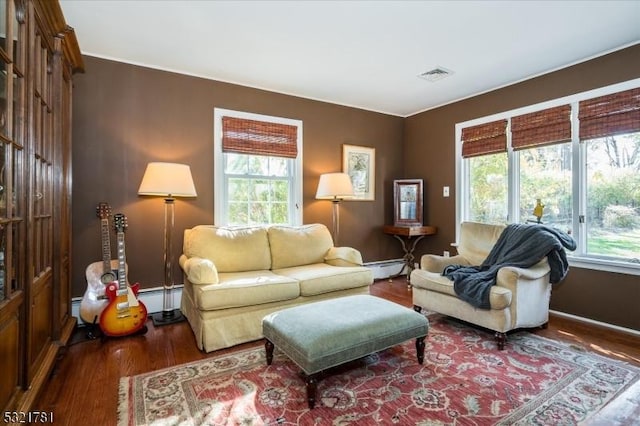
<point>604,265</point>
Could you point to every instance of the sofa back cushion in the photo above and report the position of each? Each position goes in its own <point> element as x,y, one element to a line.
<point>230,249</point>
<point>298,245</point>
<point>477,240</point>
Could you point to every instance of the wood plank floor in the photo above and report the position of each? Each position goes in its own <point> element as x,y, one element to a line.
<point>82,389</point>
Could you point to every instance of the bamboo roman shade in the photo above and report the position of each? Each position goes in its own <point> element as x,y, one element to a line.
<point>546,127</point>
<point>487,138</point>
<point>255,137</point>
<point>610,115</point>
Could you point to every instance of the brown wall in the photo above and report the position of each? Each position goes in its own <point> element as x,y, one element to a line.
<point>125,116</point>
<point>430,154</point>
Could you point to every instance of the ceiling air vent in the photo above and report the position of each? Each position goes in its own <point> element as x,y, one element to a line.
<point>435,74</point>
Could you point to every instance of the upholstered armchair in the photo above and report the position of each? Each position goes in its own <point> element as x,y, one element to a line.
<point>519,298</point>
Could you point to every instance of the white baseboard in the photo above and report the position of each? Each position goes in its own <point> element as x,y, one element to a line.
<point>387,268</point>
<point>597,323</point>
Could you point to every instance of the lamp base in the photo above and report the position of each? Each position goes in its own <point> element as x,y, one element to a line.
<point>167,317</point>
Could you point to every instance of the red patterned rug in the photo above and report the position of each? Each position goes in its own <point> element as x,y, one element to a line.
<point>464,380</point>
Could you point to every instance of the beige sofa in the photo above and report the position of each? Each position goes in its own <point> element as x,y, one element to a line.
<point>519,299</point>
<point>233,277</point>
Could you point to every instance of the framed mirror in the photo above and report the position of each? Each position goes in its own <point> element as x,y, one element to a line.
<point>407,195</point>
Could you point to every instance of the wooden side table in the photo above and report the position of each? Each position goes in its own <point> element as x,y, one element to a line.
<point>404,234</point>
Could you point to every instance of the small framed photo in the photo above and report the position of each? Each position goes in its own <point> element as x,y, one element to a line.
<point>359,162</point>
<point>408,207</point>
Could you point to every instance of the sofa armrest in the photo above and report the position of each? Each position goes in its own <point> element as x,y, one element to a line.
<point>508,276</point>
<point>343,256</point>
<point>199,270</point>
<point>435,263</point>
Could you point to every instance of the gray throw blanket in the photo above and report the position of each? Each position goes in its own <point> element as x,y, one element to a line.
<point>519,245</point>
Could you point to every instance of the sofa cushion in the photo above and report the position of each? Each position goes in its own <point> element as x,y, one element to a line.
<point>245,289</point>
<point>230,249</point>
<point>499,297</point>
<point>298,245</point>
<point>322,278</point>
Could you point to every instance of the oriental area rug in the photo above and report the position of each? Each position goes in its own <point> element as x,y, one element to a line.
<point>464,380</point>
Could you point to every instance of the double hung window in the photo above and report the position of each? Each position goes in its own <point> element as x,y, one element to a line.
<point>578,156</point>
<point>258,169</point>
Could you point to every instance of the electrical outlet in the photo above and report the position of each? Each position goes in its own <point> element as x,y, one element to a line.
<point>445,191</point>
<point>446,254</point>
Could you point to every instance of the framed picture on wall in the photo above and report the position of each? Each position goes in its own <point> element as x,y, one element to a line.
<point>408,207</point>
<point>359,162</point>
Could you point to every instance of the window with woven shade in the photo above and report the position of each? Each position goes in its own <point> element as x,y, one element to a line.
<point>258,169</point>
<point>571,163</point>
<point>541,141</point>
<point>546,127</point>
<point>610,138</point>
<point>484,147</point>
<point>255,137</point>
<point>610,115</point>
<point>487,138</point>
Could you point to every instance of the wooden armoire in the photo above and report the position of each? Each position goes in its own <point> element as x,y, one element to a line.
<point>38,55</point>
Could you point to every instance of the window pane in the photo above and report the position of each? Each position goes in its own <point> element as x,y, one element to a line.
<point>280,190</point>
<point>259,165</point>
<point>258,213</point>
<point>278,166</point>
<point>238,213</point>
<point>613,196</point>
<point>239,189</point>
<point>545,175</point>
<point>260,190</point>
<point>236,164</point>
<point>279,213</point>
<point>488,188</point>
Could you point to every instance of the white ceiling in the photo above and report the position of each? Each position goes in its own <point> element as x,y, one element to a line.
<point>365,54</point>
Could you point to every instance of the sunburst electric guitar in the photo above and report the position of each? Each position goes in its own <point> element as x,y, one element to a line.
<point>99,274</point>
<point>124,314</point>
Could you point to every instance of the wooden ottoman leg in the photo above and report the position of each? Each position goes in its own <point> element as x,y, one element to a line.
<point>268,346</point>
<point>312,386</point>
<point>420,349</point>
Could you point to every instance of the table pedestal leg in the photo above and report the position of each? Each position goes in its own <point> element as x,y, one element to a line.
<point>408,247</point>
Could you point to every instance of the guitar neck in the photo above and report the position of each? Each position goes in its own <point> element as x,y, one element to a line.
<point>122,281</point>
<point>106,245</point>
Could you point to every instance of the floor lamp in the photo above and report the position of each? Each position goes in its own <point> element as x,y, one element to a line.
<point>168,180</point>
<point>335,187</point>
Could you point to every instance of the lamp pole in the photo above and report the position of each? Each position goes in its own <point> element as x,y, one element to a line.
<point>336,220</point>
<point>167,302</point>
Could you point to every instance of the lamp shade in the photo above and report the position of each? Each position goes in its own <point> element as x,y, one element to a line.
<point>334,186</point>
<point>168,180</point>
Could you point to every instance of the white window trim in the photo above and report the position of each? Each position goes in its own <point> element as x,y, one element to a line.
<point>577,260</point>
<point>218,163</point>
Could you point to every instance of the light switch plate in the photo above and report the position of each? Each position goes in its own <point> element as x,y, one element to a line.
<point>445,191</point>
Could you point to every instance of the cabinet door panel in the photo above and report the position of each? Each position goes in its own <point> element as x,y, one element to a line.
<point>9,336</point>
<point>41,315</point>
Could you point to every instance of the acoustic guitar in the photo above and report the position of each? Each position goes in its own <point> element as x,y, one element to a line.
<point>99,274</point>
<point>124,314</point>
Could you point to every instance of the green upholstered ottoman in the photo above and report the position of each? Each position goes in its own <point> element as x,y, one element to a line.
<point>321,335</point>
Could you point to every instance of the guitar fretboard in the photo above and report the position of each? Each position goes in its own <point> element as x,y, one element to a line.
<point>106,245</point>
<point>122,281</point>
